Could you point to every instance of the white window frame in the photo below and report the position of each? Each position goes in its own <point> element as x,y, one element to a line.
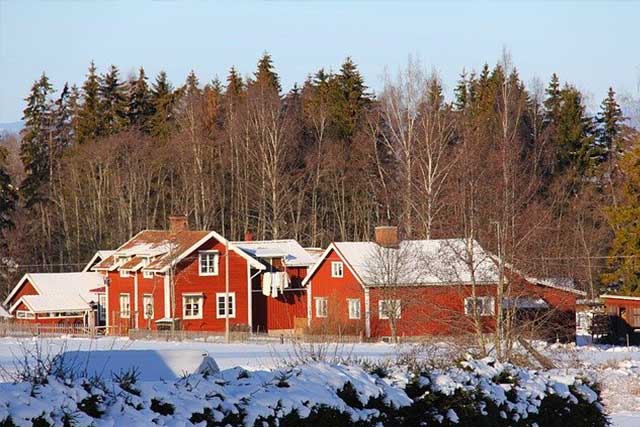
<point>125,273</point>
<point>200,298</point>
<point>216,263</point>
<point>102,307</point>
<point>125,314</point>
<point>382,314</point>
<point>353,305</point>
<point>145,299</point>
<point>25,314</point>
<point>322,307</point>
<point>482,306</point>
<point>337,269</point>
<point>147,274</point>
<point>220,299</point>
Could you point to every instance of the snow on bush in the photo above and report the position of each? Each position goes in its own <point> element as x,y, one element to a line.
<point>474,393</point>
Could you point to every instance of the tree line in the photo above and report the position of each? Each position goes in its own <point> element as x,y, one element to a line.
<point>522,168</point>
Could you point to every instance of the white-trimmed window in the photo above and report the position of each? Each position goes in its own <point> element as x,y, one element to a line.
<point>354,308</point>
<point>147,274</point>
<point>208,263</point>
<point>389,308</point>
<point>125,273</point>
<point>221,305</point>
<point>24,314</point>
<point>485,306</point>
<point>147,306</point>
<point>322,309</point>
<point>337,269</point>
<point>125,306</point>
<point>192,306</point>
<point>102,308</point>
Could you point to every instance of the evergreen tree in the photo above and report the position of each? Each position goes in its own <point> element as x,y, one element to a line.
<point>192,85</point>
<point>553,101</point>
<point>61,125</point>
<point>113,103</point>
<point>8,195</point>
<point>235,85</point>
<point>162,100</point>
<point>609,121</point>
<point>350,99</point>
<point>461,93</point>
<point>574,133</point>
<point>35,142</point>
<point>89,117</point>
<point>139,109</point>
<point>624,220</point>
<point>266,74</point>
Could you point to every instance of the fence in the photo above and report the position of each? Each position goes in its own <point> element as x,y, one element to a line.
<point>13,329</point>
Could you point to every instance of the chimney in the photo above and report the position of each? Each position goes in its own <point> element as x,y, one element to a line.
<point>178,223</point>
<point>387,236</point>
<point>248,236</point>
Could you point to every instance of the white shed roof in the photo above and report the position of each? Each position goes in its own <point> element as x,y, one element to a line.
<point>291,251</point>
<point>60,291</point>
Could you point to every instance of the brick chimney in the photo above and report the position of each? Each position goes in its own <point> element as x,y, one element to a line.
<point>248,236</point>
<point>178,223</point>
<point>387,236</point>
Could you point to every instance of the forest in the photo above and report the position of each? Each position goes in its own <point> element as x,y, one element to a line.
<point>523,168</point>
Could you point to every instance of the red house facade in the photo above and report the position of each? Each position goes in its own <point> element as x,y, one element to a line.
<point>419,287</point>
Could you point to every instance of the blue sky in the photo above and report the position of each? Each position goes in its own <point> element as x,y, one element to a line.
<point>591,44</point>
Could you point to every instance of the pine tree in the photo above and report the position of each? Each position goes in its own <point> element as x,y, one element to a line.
<point>113,103</point>
<point>574,133</point>
<point>625,249</point>
<point>266,74</point>
<point>61,125</point>
<point>349,100</point>
<point>89,116</point>
<point>553,101</point>
<point>609,121</point>
<point>8,196</point>
<point>461,93</point>
<point>235,85</point>
<point>162,100</point>
<point>139,109</point>
<point>35,142</point>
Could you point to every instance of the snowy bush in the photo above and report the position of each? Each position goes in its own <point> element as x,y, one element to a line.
<point>474,393</point>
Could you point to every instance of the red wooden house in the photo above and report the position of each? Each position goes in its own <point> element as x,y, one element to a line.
<point>624,315</point>
<point>276,306</point>
<point>424,287</point>
<point>57,299</point>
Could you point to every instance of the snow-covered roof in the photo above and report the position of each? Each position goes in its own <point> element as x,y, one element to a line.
<point>523,302</point>
<point>561,283</point>
<point>416,262</point>
<point>97,257</point>
<point>164,249</point>
<point>4,312</point>
<point>290,250</point>
<point>55,303</point>
<point>59,291</point>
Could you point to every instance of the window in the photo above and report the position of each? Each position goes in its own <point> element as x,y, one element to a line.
<point>125,306</point>
<point>124,273</point>
<point>389,308</point>
<point>337,269</point>
<point>485,306</point>
<point>635,317</point>
<point>147,306</point>
<point>221,307</point>
<point>192,306</point>
<point>102,308</point>
<point>321,307</point>
<point>208,261</point>
<point>24,314</point>
<point>147,274</point>
<point>354,308</point>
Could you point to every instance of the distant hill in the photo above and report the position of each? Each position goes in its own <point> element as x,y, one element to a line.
<point>11,127</point>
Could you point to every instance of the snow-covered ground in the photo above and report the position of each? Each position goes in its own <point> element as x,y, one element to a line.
<point>617,369</point>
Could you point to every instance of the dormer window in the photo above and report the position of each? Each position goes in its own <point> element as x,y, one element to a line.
<point>125,273</point>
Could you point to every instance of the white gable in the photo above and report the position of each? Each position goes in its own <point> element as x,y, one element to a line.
<point>290,250</point>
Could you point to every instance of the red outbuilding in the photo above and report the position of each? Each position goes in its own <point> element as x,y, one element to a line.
<point>419,287</point>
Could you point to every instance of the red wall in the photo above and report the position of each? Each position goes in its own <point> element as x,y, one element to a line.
<point>26,289</point>
<point>337,291</point>
<point>271,314</point>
